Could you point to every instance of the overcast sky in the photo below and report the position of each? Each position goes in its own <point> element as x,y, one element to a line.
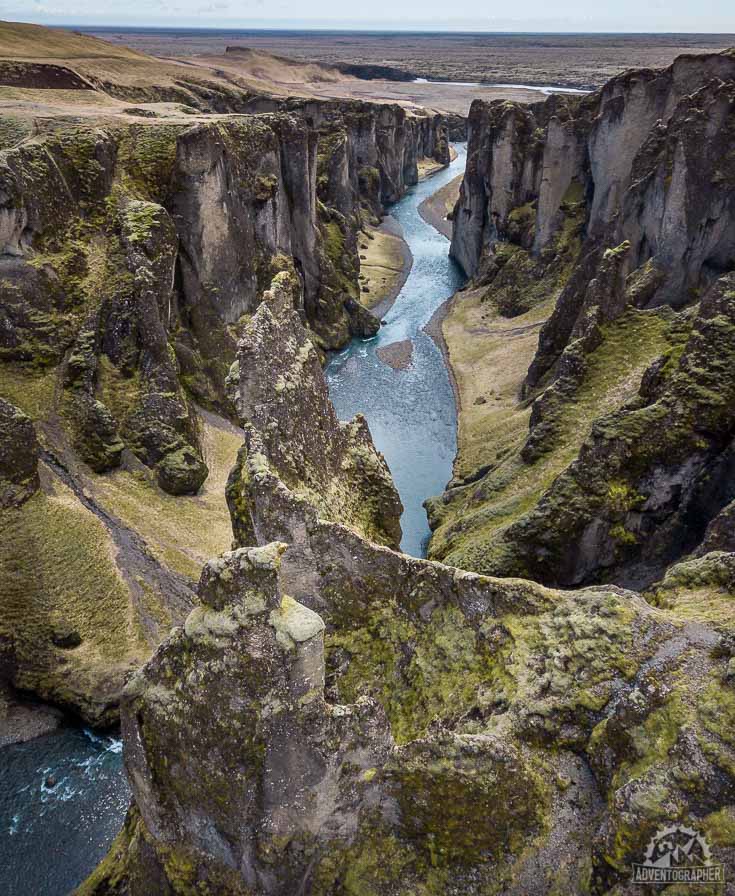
<point>447,15</point>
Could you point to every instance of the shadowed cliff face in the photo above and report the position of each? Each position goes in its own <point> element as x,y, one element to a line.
<point>337,717</point>
<point>616,208</point>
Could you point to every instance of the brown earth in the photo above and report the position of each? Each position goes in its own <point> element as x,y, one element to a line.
<point>284,64</point>
<point>397,355</point>
<point>585,60</point>
<point>47,73</point>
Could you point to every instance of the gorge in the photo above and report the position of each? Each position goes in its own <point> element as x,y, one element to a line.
<point>201,536</point>
<point>410,410</point>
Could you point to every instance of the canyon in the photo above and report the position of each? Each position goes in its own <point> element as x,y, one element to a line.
<point>133,255</point>
<point>194,543</point>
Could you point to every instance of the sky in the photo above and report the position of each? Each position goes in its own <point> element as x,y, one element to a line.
<point>438,15</point>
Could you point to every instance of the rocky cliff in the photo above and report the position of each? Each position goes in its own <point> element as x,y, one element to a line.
<point>616,213</point>
<point>133,255</point>
<point>322,714</point>
<point>337,717</point>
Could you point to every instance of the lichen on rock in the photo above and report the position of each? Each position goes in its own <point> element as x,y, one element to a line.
<point>297,450</point>
<point>643,262</point>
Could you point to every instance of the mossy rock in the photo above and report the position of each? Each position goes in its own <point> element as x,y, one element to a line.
<point>181,472</point>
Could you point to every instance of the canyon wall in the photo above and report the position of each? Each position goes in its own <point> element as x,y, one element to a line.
<point>615,208</point>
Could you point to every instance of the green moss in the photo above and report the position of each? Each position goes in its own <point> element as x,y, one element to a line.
<point>140,218</point>
<point>58,569</point>
<point>472,534</point>
<point>369,181</point>
<point>185,531</point>
<point>266,187</point>
<point>699,589</point>
<point>653,740</point>
<point>181,471</point>
<point>191,874</point>
<point>120,393</point>
<point>524,279</point>
<point>617,251</point>
<point>343,273</point>
<point>622,536</point>
<point>29,389</point>
<point>134,854</point>
<point>621,498</point>
<point>379,862</point>
<point>719,827</point>
<point>13,129</point>
<point>574,194</point>
<point>374,653</point>
<point>461,811</point>
<point>523,213</point>
<point>716,710</point>
<point>440,668</point>
<point>522,224</point>
<point>146,157</point>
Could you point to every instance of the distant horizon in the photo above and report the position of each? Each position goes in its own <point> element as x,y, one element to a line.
<point>211,15</point>
<point>92,26</point>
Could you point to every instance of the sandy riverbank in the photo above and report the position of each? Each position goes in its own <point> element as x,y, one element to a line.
<point>435,209</point>
<point>385,263</point>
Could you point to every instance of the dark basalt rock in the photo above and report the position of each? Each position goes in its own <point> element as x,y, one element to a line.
<point>291,421</point>
<point>40,76</point>
<point>18,456</point>
<point>363,323</point>
<point>639,172</point>
<point>66,637</point>
<point>181,472</point>
<point>337,714</point>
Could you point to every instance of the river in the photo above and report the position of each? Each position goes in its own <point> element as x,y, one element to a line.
<point>546,89</point>
<point>63,797</point>
<point>411,413</point>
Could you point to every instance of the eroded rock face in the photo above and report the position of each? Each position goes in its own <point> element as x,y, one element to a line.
<point>652,475</point>
<point>605,206</point>
<point>629,150</point>
<point>384,142</point>
<point>301,461</point>
<point>18,456</point>
<point>293,773</point>
<point>339,717</point>
<point>473,732</point>
<point>118,245</point>
<point>132,257</point>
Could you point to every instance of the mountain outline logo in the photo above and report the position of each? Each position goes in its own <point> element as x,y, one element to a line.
<point>678,854</point>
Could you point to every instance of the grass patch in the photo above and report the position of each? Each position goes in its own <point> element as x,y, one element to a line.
<point>381,265</point>
<point>58,575</point>
<point>182,532</point>
<point>28,389</point>
<point>495,361</point>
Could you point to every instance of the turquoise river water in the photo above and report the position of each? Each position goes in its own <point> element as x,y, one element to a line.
<point>411,413</point>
